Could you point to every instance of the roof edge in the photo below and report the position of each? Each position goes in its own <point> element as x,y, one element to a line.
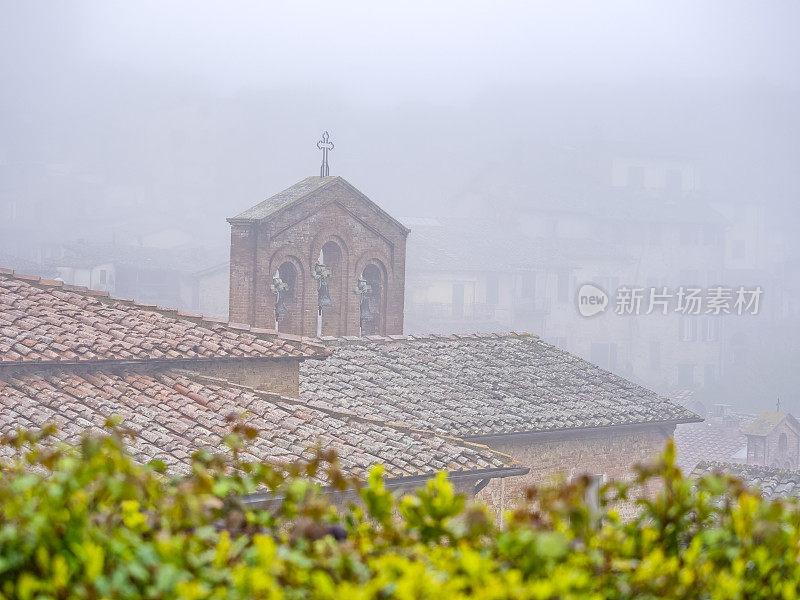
<point>681,421</point>
<point>333,180</point>
<point>320,350</point>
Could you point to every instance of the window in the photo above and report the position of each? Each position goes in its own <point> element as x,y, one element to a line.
<point>492,288</point>
<point>711,329</point>
<point>710,235</point>
<point>687,329</point>
<point>686,375</point>
<point>563,287</point>
<point>528,285</point>
<point>690,235</point>
<point>635,177</point>
<point>738,249</point>
<point>103,277</point>
<point>458,300</point>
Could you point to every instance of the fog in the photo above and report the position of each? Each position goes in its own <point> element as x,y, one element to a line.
<point>129,131</point>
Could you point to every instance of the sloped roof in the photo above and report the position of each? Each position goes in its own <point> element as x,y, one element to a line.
<point>44,321</point>
<point>772,482</point>
<point>478,385</point>
<point>715,440</point>
<point>174,414</point>
<point>766,422</point>
<point>299,191</point>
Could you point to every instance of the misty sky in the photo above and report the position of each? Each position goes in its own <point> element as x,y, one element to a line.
<point>221,103</point>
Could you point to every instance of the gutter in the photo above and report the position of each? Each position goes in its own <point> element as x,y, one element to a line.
<point>490,437</point>
<point>265,499</point>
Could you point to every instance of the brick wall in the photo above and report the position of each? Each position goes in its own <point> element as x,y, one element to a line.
<point>610,452</point>
<point>278,376</point>
<point>336,214</point>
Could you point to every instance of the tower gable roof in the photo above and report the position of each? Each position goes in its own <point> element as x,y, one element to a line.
<point>301,190</point>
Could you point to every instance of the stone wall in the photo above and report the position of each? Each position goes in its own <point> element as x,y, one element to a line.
<point>610,452</point>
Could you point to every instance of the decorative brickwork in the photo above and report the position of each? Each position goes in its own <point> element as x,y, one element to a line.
<point>287,233</point>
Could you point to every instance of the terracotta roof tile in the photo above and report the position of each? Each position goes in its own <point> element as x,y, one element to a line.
<point>174,415</point>
<point>41,322</point>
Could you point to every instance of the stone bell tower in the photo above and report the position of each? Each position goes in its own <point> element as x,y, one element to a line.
<point>319,257</point>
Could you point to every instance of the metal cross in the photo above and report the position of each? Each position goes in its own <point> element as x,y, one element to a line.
<point>324,144</point>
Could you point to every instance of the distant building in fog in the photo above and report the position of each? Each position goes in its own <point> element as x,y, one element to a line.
<point>520,270</point>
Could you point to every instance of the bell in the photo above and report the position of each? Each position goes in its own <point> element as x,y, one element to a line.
<point>366,313</point>
<point>280,307</point>
<point>324,295</point>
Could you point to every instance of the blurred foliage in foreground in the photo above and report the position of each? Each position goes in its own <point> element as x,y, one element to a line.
<point>88,522</point>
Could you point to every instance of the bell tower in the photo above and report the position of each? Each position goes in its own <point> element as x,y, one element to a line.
<point>318,258</point>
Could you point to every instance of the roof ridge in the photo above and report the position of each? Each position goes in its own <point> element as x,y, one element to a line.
<point>348,340</point>
<point>176,313</point>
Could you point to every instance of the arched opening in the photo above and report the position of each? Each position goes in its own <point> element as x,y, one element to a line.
<point>284,289</point>
<point>783,444</point>
<point>331,317</point>
<point>372,300</point>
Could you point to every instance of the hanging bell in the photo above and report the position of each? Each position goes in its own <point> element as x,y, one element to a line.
<point>366,313</point>
<point>280,307</point>
<point>324,296</point>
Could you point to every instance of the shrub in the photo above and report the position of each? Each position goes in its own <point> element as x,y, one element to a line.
<point>86,521</point>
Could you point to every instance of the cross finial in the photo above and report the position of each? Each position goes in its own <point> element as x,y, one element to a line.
<point>324,144</point>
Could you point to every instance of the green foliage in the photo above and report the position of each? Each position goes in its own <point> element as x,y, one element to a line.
<point>85,521</point>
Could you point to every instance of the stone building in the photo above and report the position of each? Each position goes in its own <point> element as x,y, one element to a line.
<point>77,357</point>
<point>551,411</point>
<point>773,440</point>
<point>277,244</point>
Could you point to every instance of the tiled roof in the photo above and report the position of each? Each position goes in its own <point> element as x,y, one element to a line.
<point>290,195</point>
<point>297,192</point>
<point>45,321</point>
<point>773,483</point>
<point>174,414</point>
<point>766,422</point>
<point>478,385</point>
<point>715,439</point>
